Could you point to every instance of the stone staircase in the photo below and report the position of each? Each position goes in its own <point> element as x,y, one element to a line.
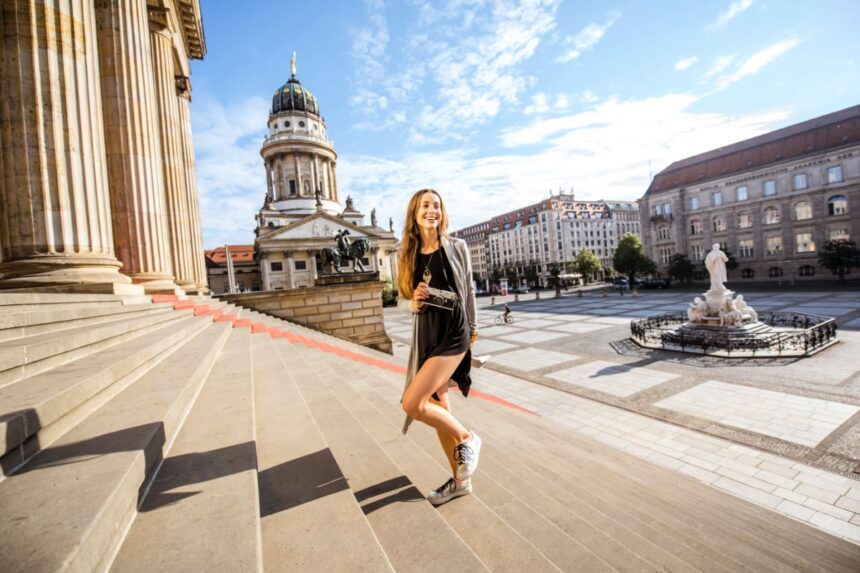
<point>167,435</point>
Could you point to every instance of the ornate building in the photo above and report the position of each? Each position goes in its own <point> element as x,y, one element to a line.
<point>526,241</point>
<point>771,201</point>
<point>301,213</point>
<point>97,182</point>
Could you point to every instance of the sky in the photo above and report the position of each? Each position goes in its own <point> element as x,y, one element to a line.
<point>498,103</point>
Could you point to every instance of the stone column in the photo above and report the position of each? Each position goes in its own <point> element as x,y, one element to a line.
<point>334,180</point>
<point>264,268</point>
<point>183,92</point>
<point>133,150</point>
<point>291,278</point>
<point>178,220</point>
<point>269,189</point>
<point>314,177</point>
<point>55,212</point>
<point>299,188</point>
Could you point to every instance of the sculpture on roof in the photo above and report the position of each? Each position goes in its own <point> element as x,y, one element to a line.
<point>391,224</point>
<point>349,202</point>
<point>373,217</point>
<point>293,65</point>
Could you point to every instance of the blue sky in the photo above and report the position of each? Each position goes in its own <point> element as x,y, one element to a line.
<point>497,102</point>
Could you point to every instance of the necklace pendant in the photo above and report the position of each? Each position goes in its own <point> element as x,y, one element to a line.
<point>427,276</point>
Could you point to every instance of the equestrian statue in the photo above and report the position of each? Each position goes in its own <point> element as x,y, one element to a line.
<point>346,251</point>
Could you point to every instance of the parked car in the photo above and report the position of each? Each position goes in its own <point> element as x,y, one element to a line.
<point>620,282</point>
<point>481,292</point>
<point>522,289</point>
<point>656,282</point>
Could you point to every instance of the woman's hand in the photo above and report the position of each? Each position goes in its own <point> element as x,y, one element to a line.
<point>421,293</point>
<point>473,336</point>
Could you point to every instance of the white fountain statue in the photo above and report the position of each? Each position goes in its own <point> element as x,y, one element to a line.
<point>719,307</point>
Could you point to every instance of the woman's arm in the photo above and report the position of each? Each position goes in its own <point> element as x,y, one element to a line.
<point>469,302</point>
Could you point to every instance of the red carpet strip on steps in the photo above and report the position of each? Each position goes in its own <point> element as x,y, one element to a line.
<point>274,332</point>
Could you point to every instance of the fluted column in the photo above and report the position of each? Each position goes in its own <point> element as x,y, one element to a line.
<point>133,151</point>
<point>314,177</point>
<point>270,191</point>
<point>55,212</point>
<point>264,267</point>
<point>183,91</point>
<point>334,180</point>
<point>172,157</point>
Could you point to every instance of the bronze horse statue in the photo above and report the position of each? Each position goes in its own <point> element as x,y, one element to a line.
<point>355,251</point>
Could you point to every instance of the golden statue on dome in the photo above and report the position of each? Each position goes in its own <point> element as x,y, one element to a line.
<point>293,65</point>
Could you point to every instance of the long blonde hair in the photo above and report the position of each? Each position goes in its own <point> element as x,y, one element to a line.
<point>412,242</point>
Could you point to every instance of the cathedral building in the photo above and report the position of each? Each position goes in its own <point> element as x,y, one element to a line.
<point>302,215</point>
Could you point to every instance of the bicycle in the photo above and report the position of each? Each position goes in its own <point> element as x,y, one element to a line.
<point>502,319</point>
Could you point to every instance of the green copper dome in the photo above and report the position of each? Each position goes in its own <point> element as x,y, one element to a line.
<point>292,96</point>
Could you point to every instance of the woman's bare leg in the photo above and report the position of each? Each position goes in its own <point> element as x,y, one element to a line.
<point>448,442</point>
<point>432,376</point>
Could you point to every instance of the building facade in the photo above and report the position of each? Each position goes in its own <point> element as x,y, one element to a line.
<point>526,241</point>
<point>97,181</point>
<point>301,212</point>
<point>771,201</point>
<point>241,268</point>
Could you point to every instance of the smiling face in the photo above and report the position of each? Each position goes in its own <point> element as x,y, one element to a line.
<point>428,214</point>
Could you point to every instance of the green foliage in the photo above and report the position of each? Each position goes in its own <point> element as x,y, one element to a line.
<point>629,258</point>
<point>681,268</point>
<point>555,270</point>
<point>839,256</point>
<point>587,264</point>
<point>389,294</point>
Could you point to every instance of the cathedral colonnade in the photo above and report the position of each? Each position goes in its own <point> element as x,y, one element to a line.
<point>97,170</point>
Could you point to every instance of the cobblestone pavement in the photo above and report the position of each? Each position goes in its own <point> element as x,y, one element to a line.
<point>782,433</point>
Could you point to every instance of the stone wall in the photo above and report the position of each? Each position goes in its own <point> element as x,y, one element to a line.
<point>350,311</point>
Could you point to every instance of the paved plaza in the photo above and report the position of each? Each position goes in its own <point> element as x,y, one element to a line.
<point>783,433</point>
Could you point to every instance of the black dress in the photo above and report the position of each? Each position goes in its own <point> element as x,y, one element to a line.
<point>442,332</point>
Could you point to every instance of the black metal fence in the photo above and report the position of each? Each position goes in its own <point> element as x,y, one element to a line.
<point>808,333</point>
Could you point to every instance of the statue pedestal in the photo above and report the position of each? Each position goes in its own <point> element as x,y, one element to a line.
<point>715,300</point>
<point>347,278</point>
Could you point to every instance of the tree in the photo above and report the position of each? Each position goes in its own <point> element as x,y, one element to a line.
<point>587,264</point>
<point>680,268</point>
<point>554,271</point>
<point>839,256</point>
<point>531,275</point>
<point>629,258</point>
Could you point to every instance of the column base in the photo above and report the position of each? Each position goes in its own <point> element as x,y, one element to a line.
<point>80,271</point>
<point>153,283</point>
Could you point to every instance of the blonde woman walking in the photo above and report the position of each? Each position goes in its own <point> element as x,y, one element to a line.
<point>435,283</point>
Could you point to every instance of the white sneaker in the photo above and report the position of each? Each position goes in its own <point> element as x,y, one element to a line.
<point>466,455</point>
<point>449,491</point>
<point>479,361</point>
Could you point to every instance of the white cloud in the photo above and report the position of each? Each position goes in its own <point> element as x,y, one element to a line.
<point>729,13</point>
<point>602,152</point>
<point>718,66</point>
<point>539,104</point>
<point>755,63</point>
<point>586,39</point>
<point>588,96</point>
<point>685,63</point>
<point>562,102</point>
<point>230,173</point>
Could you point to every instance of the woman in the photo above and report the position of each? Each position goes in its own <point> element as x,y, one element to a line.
<point>441,337</point>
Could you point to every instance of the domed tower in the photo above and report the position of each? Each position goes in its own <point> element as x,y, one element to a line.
<point>299,158</point>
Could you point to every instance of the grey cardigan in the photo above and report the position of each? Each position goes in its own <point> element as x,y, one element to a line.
<point>458,255</point>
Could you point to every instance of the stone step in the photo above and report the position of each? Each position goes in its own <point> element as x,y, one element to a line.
<point>310,519</point>
<point>404,528</point>
<point>208,477</point>
<point>497,542</point>
<point>743,532</point>
<point>30,355</point>
<point>38,409</point>
<point>69,507</point>
<point>33,322</point>
<point>11,300</point>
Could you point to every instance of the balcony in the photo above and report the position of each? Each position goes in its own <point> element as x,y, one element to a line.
<point>667,218</point>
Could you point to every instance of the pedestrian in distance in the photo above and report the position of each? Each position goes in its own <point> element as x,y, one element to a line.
<point>435,284</point>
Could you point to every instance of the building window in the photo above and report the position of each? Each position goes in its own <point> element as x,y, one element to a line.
<point>772,216</point>
<point>837,205</point>
<point>663,232</point>
<point>799,181</point>
<point>276,266</point>
<point>667,209</point>
<point>719,224</point>
<point>658,210</point>
<point>806,271</point>
<point>741,193</point>
<point>839,234</point>
<point>834,174</point>
<point>770,187</point>
<point>717,198</point>
<point>774,272</point>
<point>665,255</point>
<point>301,124</point>
<point>696,227</point>
<point>300,265</point>
<point>696,252</point>
<point>745,248</point>
<point>286,124</point>
<point>804,243</point>
<point>292,186</point>
<point>773,245</point>
<point>803,211</point>
<point>747,274</point>
<point>699,275</point>
<point>694,203</point>
<point>744,220</point>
